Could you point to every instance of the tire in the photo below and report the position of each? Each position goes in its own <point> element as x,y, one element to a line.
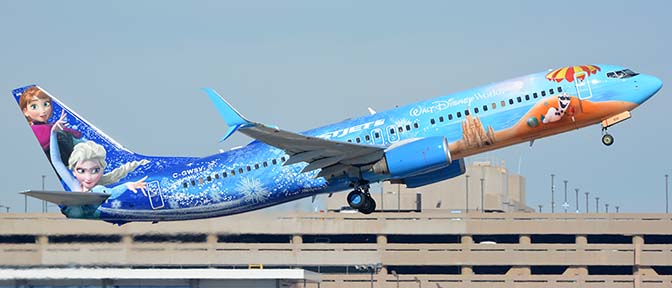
<point>369,206</point>
<point>607,139</point>
<point>356,199</point>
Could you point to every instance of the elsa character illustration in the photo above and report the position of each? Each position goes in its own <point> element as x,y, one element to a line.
<point>87,163</point>
<point>36,105</point>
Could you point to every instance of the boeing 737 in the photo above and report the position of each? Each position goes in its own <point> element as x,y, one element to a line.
<point>414,145</point>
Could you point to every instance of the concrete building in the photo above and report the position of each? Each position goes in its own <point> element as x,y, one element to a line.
<point>502,192</point>
<point>434,248</point>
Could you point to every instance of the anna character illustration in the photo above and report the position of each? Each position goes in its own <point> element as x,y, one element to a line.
<point>87,163</point>
<point>37,106</point>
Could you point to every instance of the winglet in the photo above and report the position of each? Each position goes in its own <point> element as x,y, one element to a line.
<point>232,117</point>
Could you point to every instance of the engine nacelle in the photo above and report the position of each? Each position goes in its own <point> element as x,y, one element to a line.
<point>456,168</point>
<point>414,158</point>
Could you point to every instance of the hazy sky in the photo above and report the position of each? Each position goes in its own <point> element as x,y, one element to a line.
<point>134,69</point>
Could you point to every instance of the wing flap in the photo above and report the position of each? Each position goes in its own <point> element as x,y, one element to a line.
<point>68,198</point>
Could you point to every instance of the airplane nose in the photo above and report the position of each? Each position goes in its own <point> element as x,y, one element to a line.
<point>649,86</point>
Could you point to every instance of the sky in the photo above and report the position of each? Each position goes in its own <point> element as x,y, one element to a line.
<point>135,68</point>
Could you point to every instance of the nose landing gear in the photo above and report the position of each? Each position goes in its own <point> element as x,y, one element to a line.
<point>607,139</point>
<point>361,200</point>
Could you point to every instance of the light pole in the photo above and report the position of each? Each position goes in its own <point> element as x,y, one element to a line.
<point>617,208</point>
<point>398,197</point>
<point>565,205</point>
<point>552,194</point>
<point>597,204</point>
<point>396,276</point>
<point>577,199</point>
<point>482,194</point>
<point>373,268</point>
<point>540,207</point>
<point>587,193</point>
<point>44,203</point>
<point>667,210</point>
<point>419,281</point>
<point>606,207</point>
<point>466,194</point>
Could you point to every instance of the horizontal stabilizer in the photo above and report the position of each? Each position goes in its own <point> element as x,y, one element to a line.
<point>69,198</point>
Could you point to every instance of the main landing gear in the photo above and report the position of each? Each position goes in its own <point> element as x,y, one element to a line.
<point>361,200</point>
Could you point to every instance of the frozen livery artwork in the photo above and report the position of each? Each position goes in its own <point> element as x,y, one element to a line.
<point>415,145</point>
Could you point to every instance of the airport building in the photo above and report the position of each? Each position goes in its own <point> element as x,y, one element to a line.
<point>441,244</point>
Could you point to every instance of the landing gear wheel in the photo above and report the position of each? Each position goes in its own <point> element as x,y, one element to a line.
<point>356,199</point>
<point>607,139</point>
<point>368,206</point>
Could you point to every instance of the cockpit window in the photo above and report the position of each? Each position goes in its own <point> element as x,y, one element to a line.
<point>626,73</point>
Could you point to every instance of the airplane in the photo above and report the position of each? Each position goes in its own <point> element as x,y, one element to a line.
<point>414,145</point>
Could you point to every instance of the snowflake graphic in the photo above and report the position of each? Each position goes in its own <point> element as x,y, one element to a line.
<point>215,195</point>
<point>402,122</point>
<point>116,204</point>
<point>173,203</point>
<point>253,191</point>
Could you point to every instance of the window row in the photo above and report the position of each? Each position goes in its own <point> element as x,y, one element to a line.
<point>233,172</point>
<point>493,106</point>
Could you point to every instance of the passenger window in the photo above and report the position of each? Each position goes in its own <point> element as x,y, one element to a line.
<point>503,103</point>
<point>265,164</point>
<point>485,108</point>
<point>476,110</point>
<point>368,138</point>
<point>209,178</point>
<point>450,116</point>
<point>240,170</point>
<point>256,166</point>
<point>432,121</point>
<point>185,184</point>
<point>200,181</point>
<point>527,97</point>
<point>535,95</point>
<point>466,112</point>
<point>283,159</point>
<point>377,135</point>
<point>216,176</point>
<point>510,101</point>
<point>224,174</point>
<point>408,127</point>
<point>551,91</point>
<point>559,89</point>
<point>441,119</point>
<point>350,140</point>
<point>494,105</point>
<point>401,129</point>
<point>358,140</point>
<point>415,125</point>
<point>274,161</point>
<point>193,183</point>
<point>392,130</point>
<point>519,99</point>
<point>233,172</point>
<point>459,114</point>
<point>543,93</point>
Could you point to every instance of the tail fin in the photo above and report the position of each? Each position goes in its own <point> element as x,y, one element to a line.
<point>43,112</point>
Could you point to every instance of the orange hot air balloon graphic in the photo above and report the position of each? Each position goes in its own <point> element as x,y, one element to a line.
<point>567,73</point>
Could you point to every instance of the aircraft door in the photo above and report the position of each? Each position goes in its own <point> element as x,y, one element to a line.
<point>392,134</point>
<point>583,89</point>
<point>377,136</point>
<point>155,195</point>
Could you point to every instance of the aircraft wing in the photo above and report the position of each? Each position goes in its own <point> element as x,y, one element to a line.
<point>332,157</point>
<point>68,198</point>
